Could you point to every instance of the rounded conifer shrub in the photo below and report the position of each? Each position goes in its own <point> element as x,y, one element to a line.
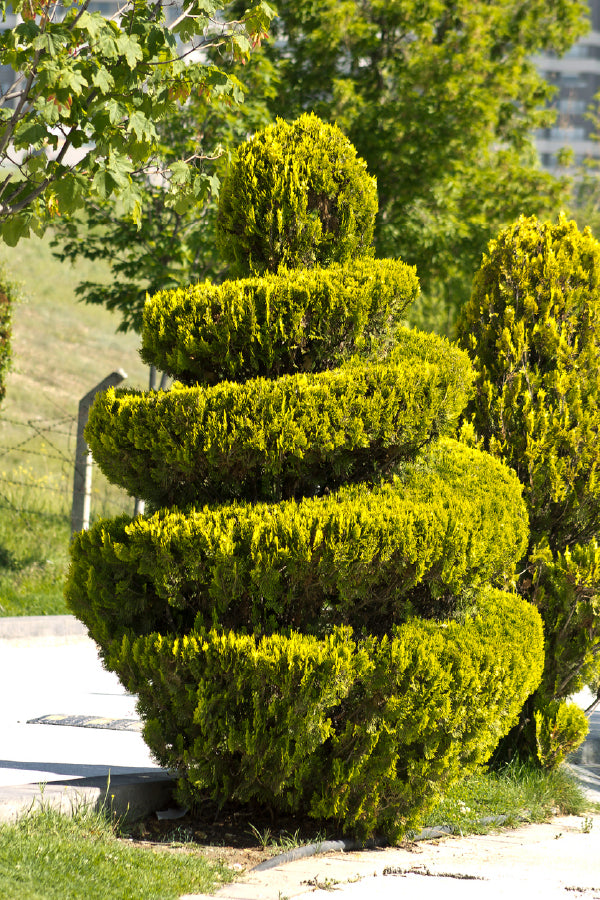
<point>296,195</point>
<point>532,329</point>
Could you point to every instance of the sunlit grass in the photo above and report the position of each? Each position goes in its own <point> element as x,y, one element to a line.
<point>518,792</point>
<point>48,856</point>
<point>35,517</point>
<point>61,349</point>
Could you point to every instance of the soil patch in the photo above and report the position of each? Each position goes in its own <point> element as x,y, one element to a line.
<point>239,837</point>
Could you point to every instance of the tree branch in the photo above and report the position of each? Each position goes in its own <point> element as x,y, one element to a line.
<point>16,116</point>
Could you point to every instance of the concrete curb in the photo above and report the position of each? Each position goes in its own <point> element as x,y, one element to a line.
<point>131,796</point>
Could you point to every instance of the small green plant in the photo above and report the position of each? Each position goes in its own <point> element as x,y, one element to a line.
<point>559,729</point>
<point>264,837</point>
<point>277,843</point>
<point>322,884</point>
<point>289,840</point>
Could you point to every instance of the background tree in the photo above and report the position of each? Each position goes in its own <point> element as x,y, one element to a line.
<point>92,88</point>
<point>585,195</point>
<point>440,98</point>
<point>174,243</point>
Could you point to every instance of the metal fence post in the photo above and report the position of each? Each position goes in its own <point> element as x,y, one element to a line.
<point>82,478</point>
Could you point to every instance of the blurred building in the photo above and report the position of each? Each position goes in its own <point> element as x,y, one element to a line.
<point>576,76</point>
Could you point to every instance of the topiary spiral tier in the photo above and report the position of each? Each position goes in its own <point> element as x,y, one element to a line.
<point>310,613</point>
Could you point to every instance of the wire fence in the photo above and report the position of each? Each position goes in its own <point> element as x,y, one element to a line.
<point>41,444</point>
<point>44,459</point>
<point>37,460</point>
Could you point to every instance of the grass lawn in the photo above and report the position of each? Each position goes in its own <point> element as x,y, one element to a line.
<point>517,791</point>
<point>61,349</point>
<point>48,856</point>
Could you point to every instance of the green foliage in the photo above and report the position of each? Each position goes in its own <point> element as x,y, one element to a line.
<point>560,727</point>
<point>458,74</point>
<point>88,82</point>
<point>296,195</point>
<point>264,440</point>
<point>449,233</point>
<point>441,99</point>
<point>566,587</point>
<point>449,522</point>
<point>9,295</point>
<point>173,244</point>
<point>296,320</point>
<point>365,732</point>
<point>532,328</point>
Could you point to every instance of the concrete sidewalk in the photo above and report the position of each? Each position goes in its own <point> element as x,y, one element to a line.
<point>555,861</point>
<point>68,724</point>
<point>51,675</point>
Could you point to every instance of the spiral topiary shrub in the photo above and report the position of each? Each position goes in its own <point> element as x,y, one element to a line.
<point>313,611</point>
<point>358,731</point>
<point>532,328</point>
<point>272,440</point>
